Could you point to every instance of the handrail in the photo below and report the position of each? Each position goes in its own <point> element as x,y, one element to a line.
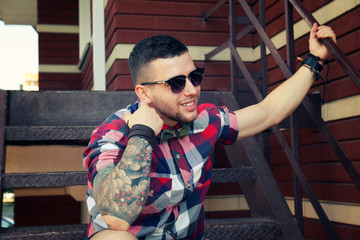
<point>213,9</point>
<point>343,61</point>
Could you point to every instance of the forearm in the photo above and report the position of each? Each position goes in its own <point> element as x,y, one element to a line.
<point>122,192</point>
<point>283,100</point>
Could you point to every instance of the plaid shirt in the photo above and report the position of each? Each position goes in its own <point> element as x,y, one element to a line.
<point>180,173</point>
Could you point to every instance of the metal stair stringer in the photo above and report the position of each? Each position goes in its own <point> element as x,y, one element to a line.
<point>263,196</point>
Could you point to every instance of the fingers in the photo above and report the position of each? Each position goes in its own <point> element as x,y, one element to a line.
<point>324,31</point>
<point>145,115</point>
<point>313,31</point>
<point>127,116</point>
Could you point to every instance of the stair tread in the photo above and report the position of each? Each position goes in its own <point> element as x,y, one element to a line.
<point>242,228</point>
<point>249,220</point>
<point>71,231</point>
<point>230,228</point>
<point>50,179</point>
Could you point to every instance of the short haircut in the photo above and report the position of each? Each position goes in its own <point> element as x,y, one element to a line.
<point>149,49</point>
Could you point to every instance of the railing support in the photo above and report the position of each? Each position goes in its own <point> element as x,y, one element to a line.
<point>294,132</point>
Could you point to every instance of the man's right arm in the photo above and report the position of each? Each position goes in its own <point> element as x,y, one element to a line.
<point>121,192</point>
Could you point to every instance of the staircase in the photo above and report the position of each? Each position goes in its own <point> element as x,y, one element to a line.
<point>32,118</point>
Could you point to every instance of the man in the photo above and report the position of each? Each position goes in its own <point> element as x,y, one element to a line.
<point>149,165</point>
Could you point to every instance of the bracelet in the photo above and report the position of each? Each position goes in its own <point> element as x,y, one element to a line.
<point>312,63</point>
<point>144,132</point>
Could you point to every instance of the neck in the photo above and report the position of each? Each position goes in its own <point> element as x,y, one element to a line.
<point>170,123</point>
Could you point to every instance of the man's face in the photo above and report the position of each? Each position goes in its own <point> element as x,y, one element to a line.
<point>173,107</point>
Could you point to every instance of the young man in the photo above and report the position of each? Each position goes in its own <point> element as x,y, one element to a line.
<point>149,165</point>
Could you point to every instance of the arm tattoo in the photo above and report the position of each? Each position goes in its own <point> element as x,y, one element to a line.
<point>124,189</point>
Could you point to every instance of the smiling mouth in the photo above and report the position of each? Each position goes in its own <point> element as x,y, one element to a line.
<point>188,104</point>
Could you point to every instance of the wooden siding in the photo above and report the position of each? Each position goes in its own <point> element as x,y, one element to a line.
<point>127,22</point>
<point>58,48</point>
<point>60,81</point>
<point>87,72</point>
<point>314,230</point>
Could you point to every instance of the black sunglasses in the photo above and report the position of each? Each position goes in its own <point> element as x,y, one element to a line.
<point>178,83</point>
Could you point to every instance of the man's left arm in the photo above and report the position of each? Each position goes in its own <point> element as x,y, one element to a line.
<point>283,100</point>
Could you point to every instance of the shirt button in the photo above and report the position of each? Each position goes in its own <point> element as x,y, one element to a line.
<point>178,156</point>
<point>152,191</point>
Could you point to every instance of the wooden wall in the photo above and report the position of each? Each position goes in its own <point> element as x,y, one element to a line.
<point>127,22</point>
<point>58,45</point>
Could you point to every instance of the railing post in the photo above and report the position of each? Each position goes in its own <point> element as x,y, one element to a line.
<point>290,54</point>
<point>264,137</point>
<point>3,106</point>
<point>232,29</point>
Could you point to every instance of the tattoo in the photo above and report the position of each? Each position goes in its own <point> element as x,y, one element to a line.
<point>124,190</point>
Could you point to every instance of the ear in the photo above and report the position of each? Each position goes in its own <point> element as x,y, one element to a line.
<point>143,93</point>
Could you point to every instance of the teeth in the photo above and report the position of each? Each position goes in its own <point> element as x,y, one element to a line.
<point>188,104</point>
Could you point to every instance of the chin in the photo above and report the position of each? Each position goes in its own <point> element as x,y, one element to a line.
<point>190,119</point>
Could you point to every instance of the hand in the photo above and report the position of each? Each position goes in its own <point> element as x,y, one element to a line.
<point>315,46</point>
<point>145,115</point>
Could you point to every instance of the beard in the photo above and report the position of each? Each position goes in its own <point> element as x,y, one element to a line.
<point>172,113</point>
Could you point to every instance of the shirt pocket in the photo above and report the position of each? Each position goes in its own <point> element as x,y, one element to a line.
<point>159,195</point>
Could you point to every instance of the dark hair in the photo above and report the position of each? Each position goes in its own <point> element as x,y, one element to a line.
<point>149,49</point>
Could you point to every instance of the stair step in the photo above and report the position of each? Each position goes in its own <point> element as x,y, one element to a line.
<point>242,228</point>
<point>232,175</point>
<point>215,229</point>
<point>57,179</point>
<point>74,231</point>
<point>48,133</point>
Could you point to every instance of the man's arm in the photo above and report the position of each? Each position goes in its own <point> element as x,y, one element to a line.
<point>283,100</point>
<point>120,193</point>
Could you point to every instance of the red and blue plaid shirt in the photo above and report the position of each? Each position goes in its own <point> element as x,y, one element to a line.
<point>180,173</point>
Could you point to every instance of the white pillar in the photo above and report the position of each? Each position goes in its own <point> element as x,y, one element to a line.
<point>84,25</point>
<point>98,22</point>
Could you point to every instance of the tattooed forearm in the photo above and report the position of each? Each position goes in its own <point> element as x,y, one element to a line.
<point>123,191</point>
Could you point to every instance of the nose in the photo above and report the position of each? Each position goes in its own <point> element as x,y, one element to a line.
<point>190,89</point>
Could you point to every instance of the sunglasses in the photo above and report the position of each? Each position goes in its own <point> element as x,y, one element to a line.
<point>178,83</point>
